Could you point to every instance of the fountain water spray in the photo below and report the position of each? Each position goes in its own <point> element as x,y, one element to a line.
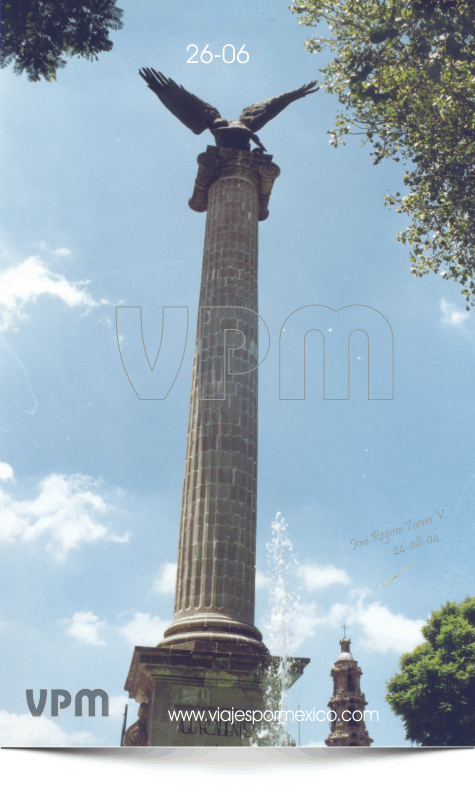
<point>283,603</point>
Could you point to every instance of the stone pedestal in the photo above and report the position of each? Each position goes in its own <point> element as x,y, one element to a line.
<point>200,698</point>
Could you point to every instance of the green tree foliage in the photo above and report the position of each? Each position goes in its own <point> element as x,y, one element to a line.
<point>36,33</point>
<point>405,72</point>
<point>435,693</point>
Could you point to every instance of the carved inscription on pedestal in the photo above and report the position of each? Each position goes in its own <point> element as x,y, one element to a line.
<point>215,728</point>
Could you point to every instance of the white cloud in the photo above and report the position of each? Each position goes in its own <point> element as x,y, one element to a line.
<point>65,514</point>
<point>62,252</point>
<point>383,630</point>
<point>144,629</point>
<point>304,624</point>
<point>27,731</point>
<point>262,580</point>
<point>452,314</point>
<point>318,577</point>
<point>166,579</point>
<point>30,279</point>
<point>6,471</point>
<point>386,631</point>
<point>86,627</point>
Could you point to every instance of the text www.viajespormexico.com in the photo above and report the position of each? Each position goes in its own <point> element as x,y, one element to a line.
<point>281,715</point>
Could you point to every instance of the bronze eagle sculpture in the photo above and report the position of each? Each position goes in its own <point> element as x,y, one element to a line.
<point>199,116</point>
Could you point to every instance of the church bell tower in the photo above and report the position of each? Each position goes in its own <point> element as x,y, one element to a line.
<point>347,702</point>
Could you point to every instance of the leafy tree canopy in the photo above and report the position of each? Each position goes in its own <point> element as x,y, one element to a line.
<point>435,691</point>
<point>405,72</point>
<point>36,33</point>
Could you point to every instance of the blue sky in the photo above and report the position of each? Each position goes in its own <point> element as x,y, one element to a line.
<point>97,177</point>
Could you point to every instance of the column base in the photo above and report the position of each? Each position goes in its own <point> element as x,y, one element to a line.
<point>215,633</point>
<point>224,687</point>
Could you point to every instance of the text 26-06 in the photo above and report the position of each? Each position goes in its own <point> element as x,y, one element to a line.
<point>228,54</point>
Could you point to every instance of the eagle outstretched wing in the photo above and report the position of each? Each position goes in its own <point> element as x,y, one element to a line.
<point>257,115</point>
<point>191,110</point>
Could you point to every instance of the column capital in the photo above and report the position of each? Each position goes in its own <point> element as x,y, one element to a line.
<point>219,162</point>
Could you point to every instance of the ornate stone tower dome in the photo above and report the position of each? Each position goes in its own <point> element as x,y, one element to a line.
<point>347,702</point>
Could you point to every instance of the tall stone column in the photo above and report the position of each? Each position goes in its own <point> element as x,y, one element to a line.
<point>214,601</point>
<point>212,658</point>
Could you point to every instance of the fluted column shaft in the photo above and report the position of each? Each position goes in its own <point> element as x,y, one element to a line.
<point>217,543</point>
